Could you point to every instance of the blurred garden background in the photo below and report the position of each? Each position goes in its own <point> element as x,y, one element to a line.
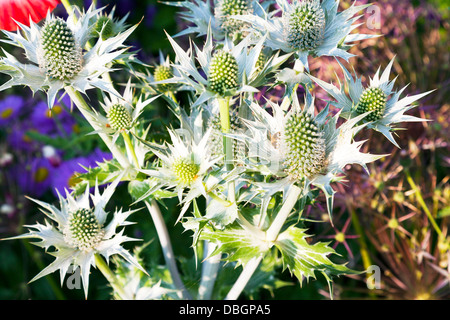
<point>396,218</point>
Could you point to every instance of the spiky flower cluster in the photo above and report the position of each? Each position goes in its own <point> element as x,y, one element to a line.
<point>83,230</point>
<point>61,58</point>
<point>223,72</point>
<point>227,8</point>
<point>161,73</point>
<point>304,147</point>
<point>185,170</point>
<point>374,100</point>
<point>305,26</point>
<point>119,117</point>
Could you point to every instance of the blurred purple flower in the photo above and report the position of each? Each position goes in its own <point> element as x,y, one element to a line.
<point>34,178</point>
<point>10,108</point>
<point>57,121</point>
<point>65,176</point>
<point>19,140</point>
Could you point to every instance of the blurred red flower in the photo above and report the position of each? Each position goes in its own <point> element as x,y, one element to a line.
<point>22,10</point>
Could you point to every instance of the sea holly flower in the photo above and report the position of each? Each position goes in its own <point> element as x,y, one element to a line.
<point>79,232</point>
<point>185,163</point>
<point>108,26</point>
<point>299,147</point>
<point>378,99</point>
<point>219,17</point>
<point>23,11</point>
<point>122,112</point>
<point>230,70</point>
<point>56,55</point>
<point>309,28</point>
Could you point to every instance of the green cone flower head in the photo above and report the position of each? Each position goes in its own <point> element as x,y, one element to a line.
<point>185,170</point>
<point>227,8</point>
<point>105,27</point>
<point>163,72</point>
<point>61,58</point>
<point>374,100</point>
<point>304,147</point>
<point>79,229</point>
<point>305,26</point>
<point>119,117</point>
<point>382,105</point>
<point>223,72</point>
<point>83,230</point>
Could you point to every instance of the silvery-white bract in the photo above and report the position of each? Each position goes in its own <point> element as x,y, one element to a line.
<point>309,28</point>
<point>201,14</point>
<point>297,146</point>
<point>80,231</point>
<point>184,163</point>
<point>230,70</point>
<point>379,99</point>
<point>122,112</point>
<point>56,55</point>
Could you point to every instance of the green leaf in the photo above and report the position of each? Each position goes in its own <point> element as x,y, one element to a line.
<point>304,260</point>
<point>105,172</point>
<point>238,243</point>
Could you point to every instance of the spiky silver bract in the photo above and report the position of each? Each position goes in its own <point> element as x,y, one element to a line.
<point>56,55</point>
<point>299,147</point>
<point>309,28</point>
<point>378,99</point>
<point>232,71</point>
<point>80,231</point>
<point>203,14</point>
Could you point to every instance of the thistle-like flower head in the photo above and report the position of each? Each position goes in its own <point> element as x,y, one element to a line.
<point>294,144</point>
<point>79,231</point>
<point>122,112</point>
<point>219,17</point>
<point>378,100</point>
<point>230,69</point>
<point>57,57</point>
<point>184,163</point>
<point>304,25</point>
<point>308,28</point>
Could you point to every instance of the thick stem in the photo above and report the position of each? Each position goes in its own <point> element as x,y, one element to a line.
<point>110,276</point>
<point>271,236</point>
<point>210,268</point>
<point>85,110</point>
<point>166,246</point>
<point>130,147</point>
<point>283,214</point>
<point>224,109</point>
<point>243,279</point>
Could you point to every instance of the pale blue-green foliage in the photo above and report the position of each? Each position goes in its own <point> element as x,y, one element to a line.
<point>258,165</point>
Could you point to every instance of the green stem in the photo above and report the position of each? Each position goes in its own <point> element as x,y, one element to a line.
<point>172,95</point>
<point>210,268</point>
<point>283,214</point>
<point>422,202</point>
<point>164,239</point>
<point>363,249</point>
<point>85,110</point>
<point>271,235</point>
<point>224,109</point>
<point>129,144</point>
<point>109,275</point>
